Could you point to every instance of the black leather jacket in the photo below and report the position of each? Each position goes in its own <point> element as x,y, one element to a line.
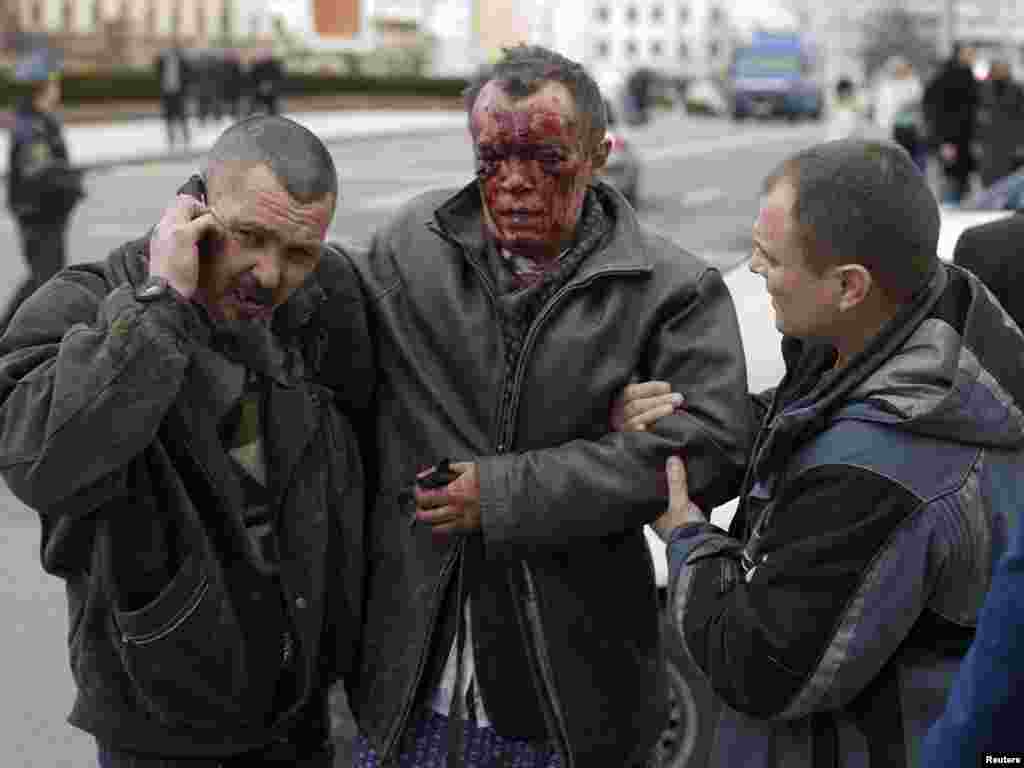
<point>106,431</point>
<point>565,609</point>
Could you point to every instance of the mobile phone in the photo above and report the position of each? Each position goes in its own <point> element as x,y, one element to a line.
<point>196,187</point>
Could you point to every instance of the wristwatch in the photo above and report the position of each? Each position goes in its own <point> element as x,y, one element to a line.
<point>153,289</point>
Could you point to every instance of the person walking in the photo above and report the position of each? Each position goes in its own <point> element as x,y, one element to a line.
<point>951,104</point>
<point>1000,132</point>
<point>174,75</point>
<point>898,109</point>
<point>846,117</point>
<point>43,187</point>
<point>511,616</point>
<point>165,412</point>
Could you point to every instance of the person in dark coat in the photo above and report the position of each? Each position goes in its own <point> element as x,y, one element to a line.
<point>233,84</point>
<point>174,75</point>
<point>1000,131</point>
<point>993,251</point>
<point>42,186</point>
<point>167,414</point>
<point>951,102</point>
<point>516,622</point>
<point>266,75</point>
<point>832,617</point>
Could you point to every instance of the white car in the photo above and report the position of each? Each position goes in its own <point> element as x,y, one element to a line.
<point>687,738</point>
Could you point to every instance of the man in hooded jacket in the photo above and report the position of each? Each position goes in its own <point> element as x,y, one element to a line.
<point>832,617</point>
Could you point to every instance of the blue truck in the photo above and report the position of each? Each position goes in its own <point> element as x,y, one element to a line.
<point>776,75</point>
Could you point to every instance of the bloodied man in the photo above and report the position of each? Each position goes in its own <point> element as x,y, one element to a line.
<point>519,603</point>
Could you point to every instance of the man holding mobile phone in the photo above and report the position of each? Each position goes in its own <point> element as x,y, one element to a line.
<point>157,410</point>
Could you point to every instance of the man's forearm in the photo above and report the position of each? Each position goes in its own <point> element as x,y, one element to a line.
<point>75,413</point>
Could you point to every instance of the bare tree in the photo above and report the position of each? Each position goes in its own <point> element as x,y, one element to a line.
<point>895,31</point>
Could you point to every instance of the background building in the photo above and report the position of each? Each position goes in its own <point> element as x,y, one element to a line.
<point>108,33</point>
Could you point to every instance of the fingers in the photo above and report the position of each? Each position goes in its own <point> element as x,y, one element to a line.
<point>678,491</point>
<point>645,389</point>
<point>642,421</point>
<point>639,414</point>
<point>199,226</point>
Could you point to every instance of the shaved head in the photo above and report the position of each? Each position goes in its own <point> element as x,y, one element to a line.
<point>293,154</point>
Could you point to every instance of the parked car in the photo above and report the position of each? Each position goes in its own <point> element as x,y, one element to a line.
<point>622,170</point>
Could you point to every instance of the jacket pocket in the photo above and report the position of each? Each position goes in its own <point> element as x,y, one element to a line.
<point>184,652</point>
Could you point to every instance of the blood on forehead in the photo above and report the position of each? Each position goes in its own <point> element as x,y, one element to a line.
<point>544,115</point>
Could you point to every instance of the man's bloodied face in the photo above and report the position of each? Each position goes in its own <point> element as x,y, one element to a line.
<point>266,245</point>
<point>535,159</point>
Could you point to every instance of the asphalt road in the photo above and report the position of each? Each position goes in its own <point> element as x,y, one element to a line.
<point>699,187</point>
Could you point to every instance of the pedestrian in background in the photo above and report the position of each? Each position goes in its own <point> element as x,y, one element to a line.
<point>846,117</point>
<point>42,186</point>
<point>951,105</point>
<point>1000,132</point>
<point>266,74</point>
<point>233,85</point>
<point>175,78</point>
<point>200,497</point>
<point>831,619</point>
<point>898,109</point>
<point>515,622</point>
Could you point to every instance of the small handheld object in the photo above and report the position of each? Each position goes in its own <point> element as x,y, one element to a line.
<point>439,478</point>
<point>196,187</point>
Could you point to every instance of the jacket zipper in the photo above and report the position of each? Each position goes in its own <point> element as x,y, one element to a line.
<point>399,728</point>
<point>532,619</point>
<point>553,713</point>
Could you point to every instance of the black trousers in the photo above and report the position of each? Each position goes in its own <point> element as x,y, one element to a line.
<point>43,248</point>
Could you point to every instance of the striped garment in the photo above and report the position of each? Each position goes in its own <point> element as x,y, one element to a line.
<point>484,748</point>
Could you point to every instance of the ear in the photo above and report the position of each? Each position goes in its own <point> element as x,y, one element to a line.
<point>855,283</point>
<point>600,154</point>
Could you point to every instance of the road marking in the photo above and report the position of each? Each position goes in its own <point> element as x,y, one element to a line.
<point>719,143</point>
<point>702,196</point>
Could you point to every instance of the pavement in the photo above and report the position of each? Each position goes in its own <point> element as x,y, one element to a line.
<point>136,141</point>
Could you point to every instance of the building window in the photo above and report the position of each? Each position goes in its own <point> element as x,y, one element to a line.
<point>631,14</point>
<point>716,15</point>
<point>97,14</point>
<point>37,13</point>
<point>601,49</point>
<point>656,48</point>
<point>603,14</point>
<point>200,20</point>
<point>714,48</point>
<point>657,13</point>
<point>630,48</point>
<point>684,51</point>
<point>684,14</point>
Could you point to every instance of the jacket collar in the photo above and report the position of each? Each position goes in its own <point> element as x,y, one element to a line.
<point>460,218</point>
<point>809,415</point>
<point>292,406</point>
